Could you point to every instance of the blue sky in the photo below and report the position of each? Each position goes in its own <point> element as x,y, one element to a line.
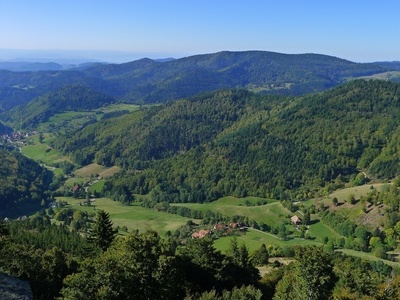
<point>358,30</point>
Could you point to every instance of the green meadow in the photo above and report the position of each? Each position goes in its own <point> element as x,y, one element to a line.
<point>132,216</point>
<point>76,119</point>
<point>358,191</point>
<point>43,154</point>
<point>272,213</point>
<point>368,256</point>
<point>253,239</point>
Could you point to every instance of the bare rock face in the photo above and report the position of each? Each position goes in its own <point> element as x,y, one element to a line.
<point>14,289</point>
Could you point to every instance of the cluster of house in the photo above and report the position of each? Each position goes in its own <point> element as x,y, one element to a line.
<point>226,228</point>
<point>220,227</point>
<point>22,218</point>
<point>17,137</point>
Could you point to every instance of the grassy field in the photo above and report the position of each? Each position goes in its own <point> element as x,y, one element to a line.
<point>390,75</point>
<point>253,239</point>
<point>358,191</point>
<point>272,213</point>
<point>71,120</point>
<point>43,153</point>
<point>368,256</point>
<point>355,212</point>
<point>98,186</point>
<point>120,107</point>
<point>89,170</point>
<point>133,216</point>
<point>319,231</point>
<point>136,217</point>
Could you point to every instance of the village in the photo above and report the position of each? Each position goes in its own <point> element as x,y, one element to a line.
<point>16,139</point>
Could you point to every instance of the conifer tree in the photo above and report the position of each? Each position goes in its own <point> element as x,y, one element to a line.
<point>102,233</point>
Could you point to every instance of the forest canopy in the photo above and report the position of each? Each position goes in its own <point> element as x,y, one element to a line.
<point>238,143</point>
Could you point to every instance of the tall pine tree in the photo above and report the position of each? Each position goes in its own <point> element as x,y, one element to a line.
<point>102,233</point>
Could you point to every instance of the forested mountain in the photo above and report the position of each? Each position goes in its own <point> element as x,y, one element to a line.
<point>262,71</point>
<point>150,81</point>
<point>22,181</point>
<point>68,98</point>
<point>239,143</point>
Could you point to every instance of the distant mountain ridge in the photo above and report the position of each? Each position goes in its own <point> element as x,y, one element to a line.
<point>151,81</point>
<point>28,66</point>
<point>42,66</point>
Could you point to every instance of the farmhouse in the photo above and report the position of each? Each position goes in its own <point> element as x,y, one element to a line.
<point>75,188</point>
<point>296,220</point>
<point>201,234</point>
<point>220,226</point>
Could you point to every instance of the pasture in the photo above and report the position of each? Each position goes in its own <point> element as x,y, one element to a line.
<point>253,239</point>
<point>319,231</point>
<point>358,191</point>
<point>272,213</point>
<point>94,170</point>
<point>132,216</point>
<point>70,120</point>
<point>43,153</point>
<point>369,256</point>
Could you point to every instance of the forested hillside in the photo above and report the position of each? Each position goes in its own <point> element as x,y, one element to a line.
<point>19,88</point>
<point>68,98</point>
<point>150,81</point>
<point>4,129</point>
<point>239,143</point>
<point>22,181</point>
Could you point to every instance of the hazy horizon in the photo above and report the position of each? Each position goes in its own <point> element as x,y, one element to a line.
<point>359,31</point>
<point>117,57</point>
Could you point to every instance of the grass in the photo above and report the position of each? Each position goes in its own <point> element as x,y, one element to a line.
<point>98,186</point>
<point>368,256</point>
<point>43,153</point>
<point>319,231</point>
<point>253,240</point>
<point>120,107</point>
<point>133,216</point>
<point>271,214</point>
<point>69,119</point>
<point>358,191</point>
<point>76,119</point>
<point>109,171</point>
<point>95,169</point>
<point>383,76</point>
<point>355,212</point>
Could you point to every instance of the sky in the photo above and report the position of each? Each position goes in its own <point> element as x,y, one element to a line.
<point>123,30</point>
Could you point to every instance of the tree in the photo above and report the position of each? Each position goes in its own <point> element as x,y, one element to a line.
<point>315,273</point>
<point>102,233</point>
<point>351,199</point>
<point>140,267</point>
<point>307,218</point>
<point>242,293</point>
<point>260,256</point>
<point>310,278</point>
<point>4,233</point>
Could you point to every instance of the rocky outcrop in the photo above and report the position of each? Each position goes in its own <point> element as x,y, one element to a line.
<point>14,289</point>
